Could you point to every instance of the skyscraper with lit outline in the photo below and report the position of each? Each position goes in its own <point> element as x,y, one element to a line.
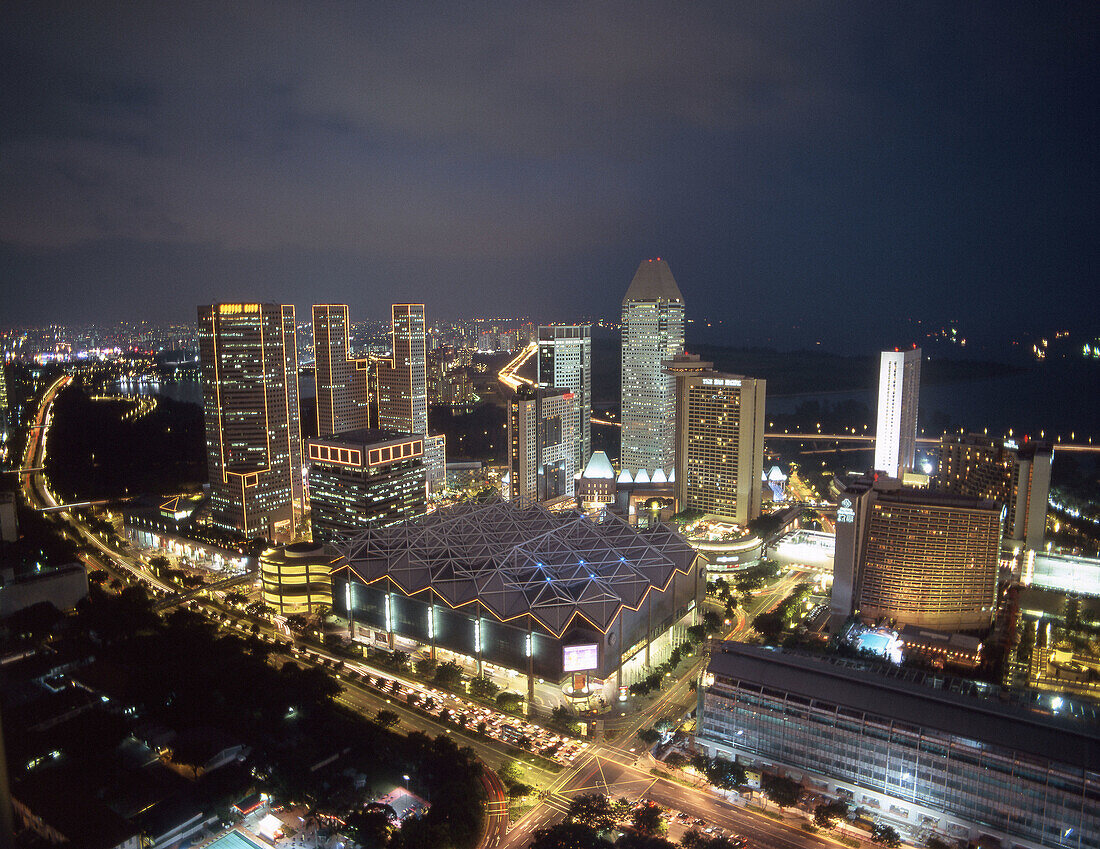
<point>403,388</point>
<point>341,379</point>
<point>249,365</point>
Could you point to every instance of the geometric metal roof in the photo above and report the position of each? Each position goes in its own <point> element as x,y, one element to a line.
<point>518,558</point>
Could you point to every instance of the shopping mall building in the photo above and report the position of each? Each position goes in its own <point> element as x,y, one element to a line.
<point>587,602</point>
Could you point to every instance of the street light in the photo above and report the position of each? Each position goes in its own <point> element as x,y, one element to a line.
<point>406,777</point>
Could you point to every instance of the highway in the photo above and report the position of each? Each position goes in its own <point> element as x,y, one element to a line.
<point>37,492</point>
<point>870,439</point>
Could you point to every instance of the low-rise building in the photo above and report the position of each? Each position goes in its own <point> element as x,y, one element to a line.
<point>176,526</point>
<point>958,762</point>
<point>941,648</point>
<point>549,595</point>
<point>63,587</point>
<point>297,578</point>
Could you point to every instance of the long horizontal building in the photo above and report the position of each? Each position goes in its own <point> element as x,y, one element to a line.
<point>923,759</point>
<point>512,585</point>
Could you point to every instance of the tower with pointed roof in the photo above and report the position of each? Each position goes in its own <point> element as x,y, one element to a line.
<point>652,332</point>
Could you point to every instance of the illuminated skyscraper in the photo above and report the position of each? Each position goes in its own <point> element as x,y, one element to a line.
<point>341,380</point>
<point>565,360</point>
<point>542,427</point>
<point>896,431</point>
<point>652,332</point>
<point>919,558</point>
<point>3,401</point>
<point>1017,476</point>
<point>403,388</point>
<point>720,440</point>
<point>249,363</point>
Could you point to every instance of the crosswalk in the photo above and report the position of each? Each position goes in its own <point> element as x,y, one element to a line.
<point>558,801</point>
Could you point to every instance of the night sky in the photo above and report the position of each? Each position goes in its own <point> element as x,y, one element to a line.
<point>810,171</point>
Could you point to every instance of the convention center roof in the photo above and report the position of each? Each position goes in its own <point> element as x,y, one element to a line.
<point>518,558</point>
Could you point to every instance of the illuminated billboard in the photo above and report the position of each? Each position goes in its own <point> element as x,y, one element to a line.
<point>580,658</point>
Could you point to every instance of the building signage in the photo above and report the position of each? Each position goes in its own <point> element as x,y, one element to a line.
<point>580,658</point>
<point>711,381</point>
<point>845,513</point>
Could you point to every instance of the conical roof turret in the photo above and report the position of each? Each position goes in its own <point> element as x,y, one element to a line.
<point>653,281</point>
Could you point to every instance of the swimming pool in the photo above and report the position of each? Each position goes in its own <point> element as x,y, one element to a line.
<point>878,643</point>
<point>233,840</point>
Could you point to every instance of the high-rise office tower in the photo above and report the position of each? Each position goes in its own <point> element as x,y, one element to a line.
<point>3,401</point>
<point>565,360</point>
<point>542,426</point>
<point>652,332</point>
<point>403,388</point>
<point>896,430</point>
<point>249,363</point>
<point>364,479</point>
<point>341,379</point>
<point>920,558</point>
<point>720,440</point>
<point>1017,476</point>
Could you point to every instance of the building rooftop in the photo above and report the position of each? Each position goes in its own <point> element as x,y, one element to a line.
<point>365,436</point>
<point>653,281</point>
<point>599,467</point>
<point>936,499</point>
<point>518,558</point>
<point>893,696</point>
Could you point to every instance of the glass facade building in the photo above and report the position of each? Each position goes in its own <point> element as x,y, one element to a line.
<point>565,360</point>
<point>924,759</point>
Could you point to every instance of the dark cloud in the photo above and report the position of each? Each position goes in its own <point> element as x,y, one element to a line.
<point>826,166</point>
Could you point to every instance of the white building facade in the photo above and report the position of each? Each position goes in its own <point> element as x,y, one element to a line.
<point>896,429</point>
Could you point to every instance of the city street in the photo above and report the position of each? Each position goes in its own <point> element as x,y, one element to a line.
<point>617,768</point>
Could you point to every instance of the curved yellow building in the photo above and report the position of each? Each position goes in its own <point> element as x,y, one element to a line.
<point>296,578</point>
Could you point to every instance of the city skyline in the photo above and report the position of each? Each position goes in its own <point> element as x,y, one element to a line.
<point>798,546</point>
<point>870,165</point>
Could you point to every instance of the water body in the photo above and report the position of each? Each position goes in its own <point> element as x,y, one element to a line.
<point>186,391</point>
<point>1055,398</point>
<point>190,391</point>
